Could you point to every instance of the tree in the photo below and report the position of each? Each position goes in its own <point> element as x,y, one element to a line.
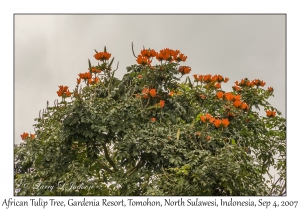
<point>150,134</point>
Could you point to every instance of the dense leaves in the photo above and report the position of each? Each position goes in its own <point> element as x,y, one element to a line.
<point>149,134</point>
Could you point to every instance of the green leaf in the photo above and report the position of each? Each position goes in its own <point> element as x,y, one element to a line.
<point>112,60</point>
<point>178,134</point>
<point>90,66</point>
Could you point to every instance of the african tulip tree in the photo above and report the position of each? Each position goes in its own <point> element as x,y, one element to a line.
<point>149,134</point>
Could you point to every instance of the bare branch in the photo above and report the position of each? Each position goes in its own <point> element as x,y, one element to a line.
<point>133,50</point>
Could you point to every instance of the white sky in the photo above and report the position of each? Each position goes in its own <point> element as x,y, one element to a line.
<point>52,50</point>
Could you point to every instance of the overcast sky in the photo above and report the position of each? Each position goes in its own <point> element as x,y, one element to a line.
<point>50,50</point>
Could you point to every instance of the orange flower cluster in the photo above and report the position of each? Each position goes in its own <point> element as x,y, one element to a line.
<point>258,82</point>
<point>63,90</point>
<point>216,122</point>
<point>24,136</point>
<point>236,88</point>
<point>148,53</point>
<point>95,70</point>
<point>147,91</point>
<point>184,69</point>
<point>161,103</point>
<point>143,60</point>
<point>102,56</point>
<point>86,75</point>
<point>248,83</point>
<point>153,119</point>
<point>235,98</point>
<point>152,92</point>
<point>209,78</point>
<point>270,89</point>
<point>218,85</point>
<point>270,113</point>
<point>95,80</point>
<point>170,55</point>
<point>220,94</point>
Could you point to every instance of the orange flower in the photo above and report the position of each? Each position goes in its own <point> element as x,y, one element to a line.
<point>226,79</point>
<point>65,88</point>
<point>218,85</point>
<point>162,103</point>
<point>220,78</point>
<point>195,76</point>
<point>148,53</point>
<point>208,138</point>
<point>171,93</point>
<point>200,77</point>
<point>90,81</point>
<point>225,122</point>
<point>59,93</point>
<point>24,136</point>
<point>207,78</point>
<point>198,133</point>
<point>242,82</point>
<point>143,60</point>
<point>207,118</point>
<point>181,57</point>
<point>153,92</point>
<point>203,96</point>
<point>237,97</point>
<point>220,94</point>
<point>145,92</point>
<point>237,103</point>
<point>102,56</point>
<point>78,80</point>
<point>237,88</point>
<point>96,79</point>
<point>32,136</point>
<point>217,122</point>
<point>270,89</point>
<point>61,88</point>
<point>270,113</point>
<point>68,94</point>
<point>184,69</point>
<point>86,75</point>
<point>140,76</point>
<point>228,96</point>
<point>244,106</point>
<point>160,57</point>
<point>94,70</point>
<point>262,83</point>
<point>153,119</point>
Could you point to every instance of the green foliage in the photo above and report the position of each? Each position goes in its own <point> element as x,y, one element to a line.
<point>105,141</point>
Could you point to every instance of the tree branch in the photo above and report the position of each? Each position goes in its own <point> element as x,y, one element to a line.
<point>105,167</point>
<point>131,171</point>
<point>108,158</point>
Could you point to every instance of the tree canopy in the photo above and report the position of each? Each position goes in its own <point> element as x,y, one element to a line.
<point>149,133</point>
